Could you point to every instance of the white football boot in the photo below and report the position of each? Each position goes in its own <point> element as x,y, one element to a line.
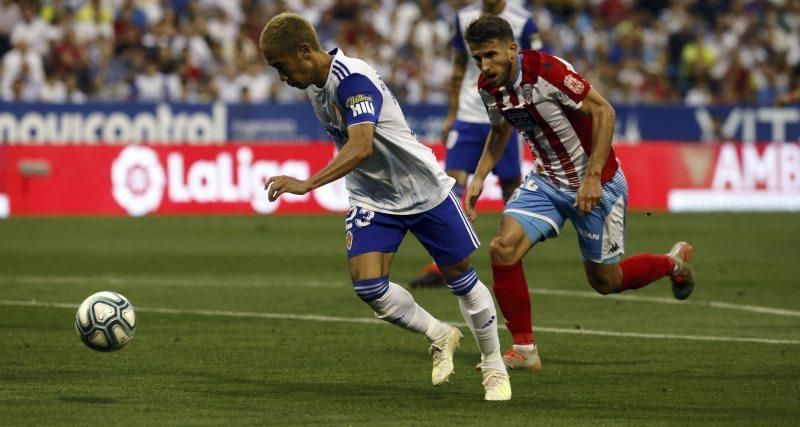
<point>496,384</point>
<point>442,351</point>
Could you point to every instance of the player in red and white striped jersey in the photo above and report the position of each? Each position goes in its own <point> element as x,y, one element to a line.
<point>569,127</point>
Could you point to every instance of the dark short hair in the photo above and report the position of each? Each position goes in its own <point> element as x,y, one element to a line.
<point>488,27</point>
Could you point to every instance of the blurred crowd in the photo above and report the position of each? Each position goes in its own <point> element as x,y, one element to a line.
<point>696,52</point>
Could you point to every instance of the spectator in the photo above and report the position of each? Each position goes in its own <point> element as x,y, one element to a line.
<point>655,51</point>
<point>257,82</point>
<point>54,90</point>
<point>29,30</point>
<point>9,17</point>
<point>151,86</point>
<point>700,95</point>
<point>225,31</point>
<point>226,85</point>
<point>21,65</point>
<point>95,28</point>
<point>95,11</point>
<point>24,89</point>
<point>74,93</point>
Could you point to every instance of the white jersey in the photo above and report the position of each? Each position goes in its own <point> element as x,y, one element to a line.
<point>402,176</point>
<point>470,104</point>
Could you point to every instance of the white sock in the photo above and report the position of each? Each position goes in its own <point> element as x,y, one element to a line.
<point>477,308</point>
<point>524,347</point>
<point>436,330</point>
<point>398,306</point>
<point>493,361</point>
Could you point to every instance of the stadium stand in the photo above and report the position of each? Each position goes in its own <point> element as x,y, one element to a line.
<point>645,52</point>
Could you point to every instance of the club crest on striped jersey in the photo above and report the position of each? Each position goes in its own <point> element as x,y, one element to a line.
<point>360,104</point>
<point>348,240</point>
<point>527,93</point>
<point>573,84</point>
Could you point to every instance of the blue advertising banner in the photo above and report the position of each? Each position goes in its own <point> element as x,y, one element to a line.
<point>119,123</point>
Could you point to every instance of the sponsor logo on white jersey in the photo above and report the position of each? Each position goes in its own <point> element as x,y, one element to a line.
<point>360,104</point>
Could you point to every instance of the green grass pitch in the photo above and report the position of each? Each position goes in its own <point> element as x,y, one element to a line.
<point>252,320</point>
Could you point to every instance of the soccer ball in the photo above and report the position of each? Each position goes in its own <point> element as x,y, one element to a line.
<point>105,321</point>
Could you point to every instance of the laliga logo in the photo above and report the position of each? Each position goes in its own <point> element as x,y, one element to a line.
<point>140,181</point>
<point>137,180</point>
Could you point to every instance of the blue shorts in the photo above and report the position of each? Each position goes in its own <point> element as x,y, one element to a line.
<point>465,145</point>
<point>444,231</point>
<point>541,209</point>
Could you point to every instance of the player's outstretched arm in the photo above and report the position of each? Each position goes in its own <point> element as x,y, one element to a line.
<point>603,118</point>
<point>355,151</point>
<point>492,151</point>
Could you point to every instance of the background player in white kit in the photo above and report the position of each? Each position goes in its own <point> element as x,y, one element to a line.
<point>395,185</point>
<point>569,127</point>
<point>466,126</point>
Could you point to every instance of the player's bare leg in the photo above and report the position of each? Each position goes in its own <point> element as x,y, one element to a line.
<point>507,249</point>
<point>604,278</point>
<point>640,270</point>
<point>392,303</point>
<point>477,309</point>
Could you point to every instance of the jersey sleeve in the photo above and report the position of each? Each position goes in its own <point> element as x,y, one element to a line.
<point>565,85</point>
<point>495,118</point>
<point>360,99</point>
<point>458,38</point>
<point>529,39</point>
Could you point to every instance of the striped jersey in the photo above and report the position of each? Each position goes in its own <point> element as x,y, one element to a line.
<point>470,106</point>
<point>542,102</point>
<point>402,176</point>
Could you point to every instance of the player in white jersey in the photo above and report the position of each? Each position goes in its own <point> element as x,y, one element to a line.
<point>466,125</point>
<point>395,185</point>
<point>569,127</point>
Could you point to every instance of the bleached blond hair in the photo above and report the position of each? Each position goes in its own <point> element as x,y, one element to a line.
<point>285,33</point>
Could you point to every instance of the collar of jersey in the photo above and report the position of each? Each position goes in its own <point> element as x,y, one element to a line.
<point>334,53</point>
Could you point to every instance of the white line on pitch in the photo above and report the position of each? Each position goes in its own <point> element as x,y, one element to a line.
<point>662,300</point>
<point>234,282</point>
<point>321,318</point>
<point>260,282</point>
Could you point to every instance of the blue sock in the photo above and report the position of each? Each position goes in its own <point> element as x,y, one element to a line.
<point>463,283</point>
<point>371,289</point>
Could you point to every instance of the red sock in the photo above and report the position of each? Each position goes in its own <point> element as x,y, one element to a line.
<point>640,270</point>
<point>511,291</point>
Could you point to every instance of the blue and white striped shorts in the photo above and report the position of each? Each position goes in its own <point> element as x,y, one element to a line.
<point>542,209</point>
<point>444,231</point>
